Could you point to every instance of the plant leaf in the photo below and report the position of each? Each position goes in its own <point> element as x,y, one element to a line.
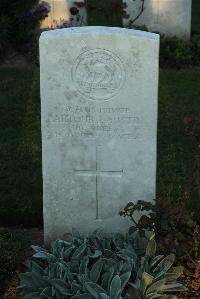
<point>107,278</point>
<point>146,280</point>
<point>177,270</point>
<point>68,252</point>
<point>43,255</point>
<point>79,251</point>
<point>61,286</point>
<point>96,254</point>
<point>156,286</point>
<point>33,295</point>
<point>173,287</point>
<point>37,248</point>
<point>83,296</point>
<point>46,292</point>
<point>25,280</point>
<point>124,280</point>
<point>165,264</point>
<point>154,295</point>
<point>94,289</point>
<point>156,260</point>
<point>96,271</point>
<point>133,293</point>
<point>104,296</point>
<point>115,288</point>
<point>132,230</point>
<point>151,248</point>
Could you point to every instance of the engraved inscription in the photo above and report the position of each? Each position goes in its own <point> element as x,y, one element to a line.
<point>96,122</point>
<point>98,74</point>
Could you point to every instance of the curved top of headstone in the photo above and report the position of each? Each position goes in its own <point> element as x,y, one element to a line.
<point>101,30</point>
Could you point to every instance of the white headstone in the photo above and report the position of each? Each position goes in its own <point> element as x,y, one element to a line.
<point>99,90</point>
<point>169,17</point>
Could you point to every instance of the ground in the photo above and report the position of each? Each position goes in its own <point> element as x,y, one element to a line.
<point>28,237</point>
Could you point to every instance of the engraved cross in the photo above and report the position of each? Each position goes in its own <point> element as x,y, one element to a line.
<point>97,173</point>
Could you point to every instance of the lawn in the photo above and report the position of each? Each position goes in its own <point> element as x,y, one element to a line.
<point>20,142</point>
<point>179,110</point>
<point>20,171</point>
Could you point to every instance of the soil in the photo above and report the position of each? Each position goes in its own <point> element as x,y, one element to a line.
<point>30,236</point>
<point>191,279</point>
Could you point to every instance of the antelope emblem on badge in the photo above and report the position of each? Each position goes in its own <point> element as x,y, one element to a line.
<point>98,74</point>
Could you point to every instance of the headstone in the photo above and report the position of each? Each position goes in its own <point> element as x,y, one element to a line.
<point>169,17</point>
<point>99,90</point>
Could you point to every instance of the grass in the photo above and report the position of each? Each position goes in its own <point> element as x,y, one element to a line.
<point>20,173</point>
<point>179,98</point>
<point>20,142</point>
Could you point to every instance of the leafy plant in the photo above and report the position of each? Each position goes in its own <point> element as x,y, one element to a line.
<point>174,226</point>
<point>175,52</point>
<point>100,267</point>
<point>196,49</point>
<point>179,53</point>
<point>145,222</point>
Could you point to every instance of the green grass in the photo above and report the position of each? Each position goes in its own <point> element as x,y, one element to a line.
<point>20,142</point>
<point>20,171</point>
<point>179,97</point>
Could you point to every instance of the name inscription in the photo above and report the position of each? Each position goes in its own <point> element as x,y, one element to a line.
<point>93,122</point>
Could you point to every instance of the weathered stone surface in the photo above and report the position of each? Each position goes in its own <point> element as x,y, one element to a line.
<point>99,120</point>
